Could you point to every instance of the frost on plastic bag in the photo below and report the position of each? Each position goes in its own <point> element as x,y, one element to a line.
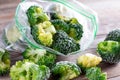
<point>87,33</point>
<point>63,9</point>
<point>11,39</point>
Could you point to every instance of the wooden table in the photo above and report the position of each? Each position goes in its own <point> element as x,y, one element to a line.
<point>109,17</point>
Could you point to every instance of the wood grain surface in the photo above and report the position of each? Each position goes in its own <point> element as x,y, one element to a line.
<point>109,19</point>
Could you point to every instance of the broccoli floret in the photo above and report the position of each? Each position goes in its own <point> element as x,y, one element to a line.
<point>65,70</point>
<point>25,70</point>
<point>76,29</point>
<point>54,16</point>
<point>63,43</point>
<point>4,61</point>
<point>109,51</point>
<point>60,25</point>
<point>43,33</point>
<point>113,35</point>
<point>88,60</point>
<point>39,56</point>
<point>72,21</point>
<point>95,73</point>
<point>36,15</point>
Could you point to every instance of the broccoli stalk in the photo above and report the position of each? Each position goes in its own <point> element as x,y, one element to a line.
<point>65,70</point>
<point>95,73</point>
<point>63,43</point>
<point>4,61</point>
<point>43,33</point>
<point>25,70</point>
<point>36,15</point>
<point>39,56</point>
<point>109,51</point>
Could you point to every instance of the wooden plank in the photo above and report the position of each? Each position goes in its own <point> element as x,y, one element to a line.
<point>5,77</point>
<point>115,78</point>
<point>8,1</point>
<point>7,13</point>
<point>111,69</point>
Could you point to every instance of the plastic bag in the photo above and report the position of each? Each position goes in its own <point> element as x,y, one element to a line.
<point>12,39</point>
<point>72,8</point>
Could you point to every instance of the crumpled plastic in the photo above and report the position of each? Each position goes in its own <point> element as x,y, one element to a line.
<point>86,16</point>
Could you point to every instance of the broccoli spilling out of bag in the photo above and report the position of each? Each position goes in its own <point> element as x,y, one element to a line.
<point>113,35</point>
<point>4,62</point>
<point>109,51</point>
<point>26,70</point>
<point>39,56</point>
<point>95,73</point>
<point>44,28</point>
<point>65,70</point>
<point>88,60</point>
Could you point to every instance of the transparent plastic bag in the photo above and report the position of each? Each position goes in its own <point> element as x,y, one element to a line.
<point>11,38</point>
<point>72,8</point>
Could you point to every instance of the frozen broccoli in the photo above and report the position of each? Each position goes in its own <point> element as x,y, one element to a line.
<point>113,35</point>
<point>25,70</point>
<point>65,70</point>
<point>4,61</point>
<point>39,56</point>
<point>63,43</point>
<point>43,33</point>
<point>76,29</point>
<point>36,15</point>
<point>60,25</point>
<point>109,51</point>
<point>95,73</point>
<point>88,60</point>
<point>54,16</point>
<point>72,21</point>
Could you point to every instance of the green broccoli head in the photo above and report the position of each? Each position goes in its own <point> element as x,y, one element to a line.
<point>95,73</point>
<point>43,33</point>
<point>72,21</point>
<point>109,51</point>
<point>55,15</point>
<point>26,70</point>
<point>4,61</point>
<point>113,35</point>
<point>63,43</point>
<point>76,29</point>
<point>39,56</point>
<point>36,15</point>
<point>60,25</point>
<point>65,70</point>
<point>88,60</point>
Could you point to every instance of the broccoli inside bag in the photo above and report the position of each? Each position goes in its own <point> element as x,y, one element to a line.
<point>72,9</point>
